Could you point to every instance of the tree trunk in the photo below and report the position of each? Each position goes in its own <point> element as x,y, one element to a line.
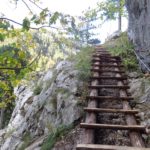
<point>1,117</point>
<point>119,16</point>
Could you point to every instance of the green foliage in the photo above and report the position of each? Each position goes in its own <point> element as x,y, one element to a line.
<point>15,63</point>
<point>54,18</point>
<point>110,8</point>
<point>37,90</point>
<point>124,48</point>
<point>26,141</point>
<point>83,62</point>
<point>9,133</point>
<point>84,91</point>
<point>26,24</point>
<point>55,136</point>
<point>54,101</point>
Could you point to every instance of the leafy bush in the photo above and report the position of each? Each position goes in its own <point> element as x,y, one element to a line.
<point>124,48</point>
<point>55,136</point>
<point>83,62</point>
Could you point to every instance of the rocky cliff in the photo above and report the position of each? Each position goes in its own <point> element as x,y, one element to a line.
<point>140,89</point>
<point>42,105</point>
<point>139,29</point>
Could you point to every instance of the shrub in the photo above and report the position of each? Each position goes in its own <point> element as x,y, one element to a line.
<point>83,63</point>
<point>55,136</point>
<point>124,48</point>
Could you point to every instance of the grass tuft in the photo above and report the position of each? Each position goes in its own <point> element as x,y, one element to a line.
<point>124,48</point>
<point>55,136</point>
<point>83,63</point>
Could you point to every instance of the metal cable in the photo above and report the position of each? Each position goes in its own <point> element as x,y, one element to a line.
<point>141,61</point>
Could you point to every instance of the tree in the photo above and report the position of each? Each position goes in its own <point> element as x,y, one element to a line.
<point>15,63</point>
<point>16,44</point>
<point>110,10</point>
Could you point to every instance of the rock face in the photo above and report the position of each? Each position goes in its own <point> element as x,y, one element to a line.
<point>139,28</point>
<point>140,89</point>
<point>49,101</point>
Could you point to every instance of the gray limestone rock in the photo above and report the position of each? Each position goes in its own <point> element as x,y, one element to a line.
<point>139,28</point>
<point>56,104</point>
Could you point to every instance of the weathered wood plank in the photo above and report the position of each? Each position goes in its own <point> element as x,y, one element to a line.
<point>110,98</point>
<point>135,137</point>
<point>103,110</point>
<point>111,71</point>
<point>91,117</point>
<point>109,126</point>
<point>106,147</point>
<point>97,60</point>
<point>106,77</point>
<point>107,65</point>
<point>108,86</point>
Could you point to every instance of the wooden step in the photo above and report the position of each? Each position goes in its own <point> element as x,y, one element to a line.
<point>110,126</point>
<point>107,65</point>
<point>102,110</point>
<point>109,86</point>
<point>100,70</point>
<point>101,51</point>
<point>107,147</point>
<point>106,77</point>
<point>99,55</point>
<point>109,98</point>
<point>98,60</point>
<point>106,57</point>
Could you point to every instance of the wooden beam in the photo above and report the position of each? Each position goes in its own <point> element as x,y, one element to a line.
<point>114,127</point>
<point>107,65</point>
<point>110,98</point>
<point>91,117</point>
<point>109,86</point>
<point>112,78</point>
<point>107,147</point>
<point>98,55</point>
<point>98,110</point>
<point>108,61</point>
<point>100,70</point>
<point>135,137</point>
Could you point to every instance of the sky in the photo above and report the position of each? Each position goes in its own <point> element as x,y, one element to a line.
<point>72,7</point>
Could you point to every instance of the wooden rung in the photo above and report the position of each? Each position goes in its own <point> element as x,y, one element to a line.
<point>97,54</point>
<point>109,98</point>
<point>105,56</point>
<point>102,51</point>
<point>110,126</point>
<point>98,110</point>
<point>107,65</point>
<point>129,94</point>
<point>107,147</point>
<point>109,86</point>
<point>99,70</point>
<point>105,77</point>
<point>98,60</point>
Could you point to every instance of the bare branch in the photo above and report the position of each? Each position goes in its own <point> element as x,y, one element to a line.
<point>27,6</point>
<point>44,26</point>
<point>36,4</point>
